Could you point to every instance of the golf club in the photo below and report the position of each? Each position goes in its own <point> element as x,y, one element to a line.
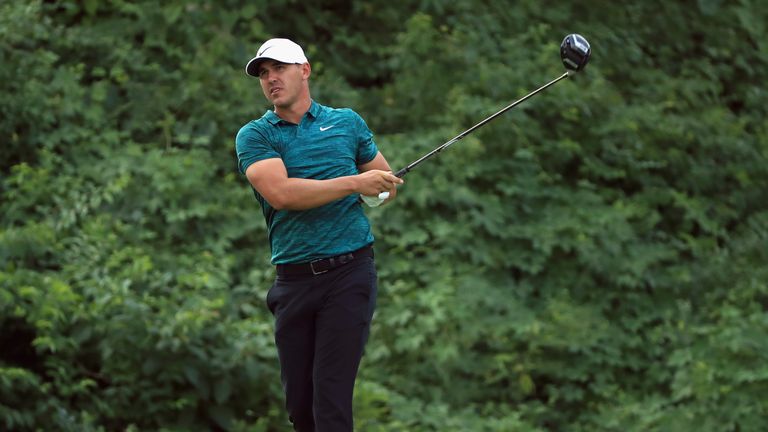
<point>574,53</point>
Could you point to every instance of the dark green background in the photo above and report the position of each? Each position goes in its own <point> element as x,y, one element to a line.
<point>594,260</point>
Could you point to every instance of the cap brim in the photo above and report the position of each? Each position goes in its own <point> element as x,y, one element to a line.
<point>252,68</point>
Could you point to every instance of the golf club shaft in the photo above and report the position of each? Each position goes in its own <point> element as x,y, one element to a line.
<point>413,164</point>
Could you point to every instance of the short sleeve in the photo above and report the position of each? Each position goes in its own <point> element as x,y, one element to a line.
<point>252,146</point>
<point>366,146</point>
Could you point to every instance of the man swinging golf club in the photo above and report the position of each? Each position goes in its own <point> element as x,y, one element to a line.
<point>307,164</point>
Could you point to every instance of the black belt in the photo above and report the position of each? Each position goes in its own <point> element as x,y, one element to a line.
<point>320,266</point>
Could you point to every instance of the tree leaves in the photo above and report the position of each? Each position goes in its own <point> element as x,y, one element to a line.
<point>591,260</point>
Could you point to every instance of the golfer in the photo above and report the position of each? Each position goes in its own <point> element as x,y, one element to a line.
<point>307,164</point>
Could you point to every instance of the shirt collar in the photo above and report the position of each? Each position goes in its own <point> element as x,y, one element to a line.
<point>314,111</point>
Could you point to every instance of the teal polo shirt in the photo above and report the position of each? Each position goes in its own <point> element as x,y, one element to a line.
<point>327,143</point>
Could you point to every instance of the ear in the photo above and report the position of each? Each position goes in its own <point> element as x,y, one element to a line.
<point>306,71</point>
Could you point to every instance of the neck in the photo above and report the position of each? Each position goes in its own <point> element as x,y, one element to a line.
<point>293,113</point>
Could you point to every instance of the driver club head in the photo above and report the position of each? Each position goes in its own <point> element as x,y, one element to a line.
<point>575,52</point>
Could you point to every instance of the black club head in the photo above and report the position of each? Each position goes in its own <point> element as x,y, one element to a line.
<point>575,52</point>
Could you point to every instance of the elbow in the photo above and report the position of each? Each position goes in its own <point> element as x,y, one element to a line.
<point>281,201</point>
<point>280,197</point>
<point>278,203</point>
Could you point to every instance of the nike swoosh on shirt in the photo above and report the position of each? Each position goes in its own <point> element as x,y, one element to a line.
<point>323,129</point>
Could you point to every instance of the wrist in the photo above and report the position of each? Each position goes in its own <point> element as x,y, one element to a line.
<point>352,184</point>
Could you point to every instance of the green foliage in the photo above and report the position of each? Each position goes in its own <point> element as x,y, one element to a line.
<point>593,260</point>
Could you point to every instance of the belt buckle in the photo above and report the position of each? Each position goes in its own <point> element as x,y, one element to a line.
<point>312,266</point>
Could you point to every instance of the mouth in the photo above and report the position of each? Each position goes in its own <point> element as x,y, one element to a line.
<point>274,91</point>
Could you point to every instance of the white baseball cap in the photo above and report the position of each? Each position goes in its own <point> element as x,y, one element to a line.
<point>282,50</point>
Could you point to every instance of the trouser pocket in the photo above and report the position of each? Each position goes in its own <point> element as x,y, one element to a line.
<point>270,299</point>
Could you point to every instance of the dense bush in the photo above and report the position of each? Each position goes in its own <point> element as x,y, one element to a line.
<point>592,260</point>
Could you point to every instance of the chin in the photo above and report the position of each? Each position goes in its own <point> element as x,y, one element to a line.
<point>281,103</point>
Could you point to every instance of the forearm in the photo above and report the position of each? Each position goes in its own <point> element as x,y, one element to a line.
<point>270,178</point>
<point>303,194</point>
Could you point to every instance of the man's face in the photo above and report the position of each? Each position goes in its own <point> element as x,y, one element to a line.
<point>282,83</point>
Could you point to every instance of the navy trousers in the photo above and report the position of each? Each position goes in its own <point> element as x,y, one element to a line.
<point>321,326</point>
